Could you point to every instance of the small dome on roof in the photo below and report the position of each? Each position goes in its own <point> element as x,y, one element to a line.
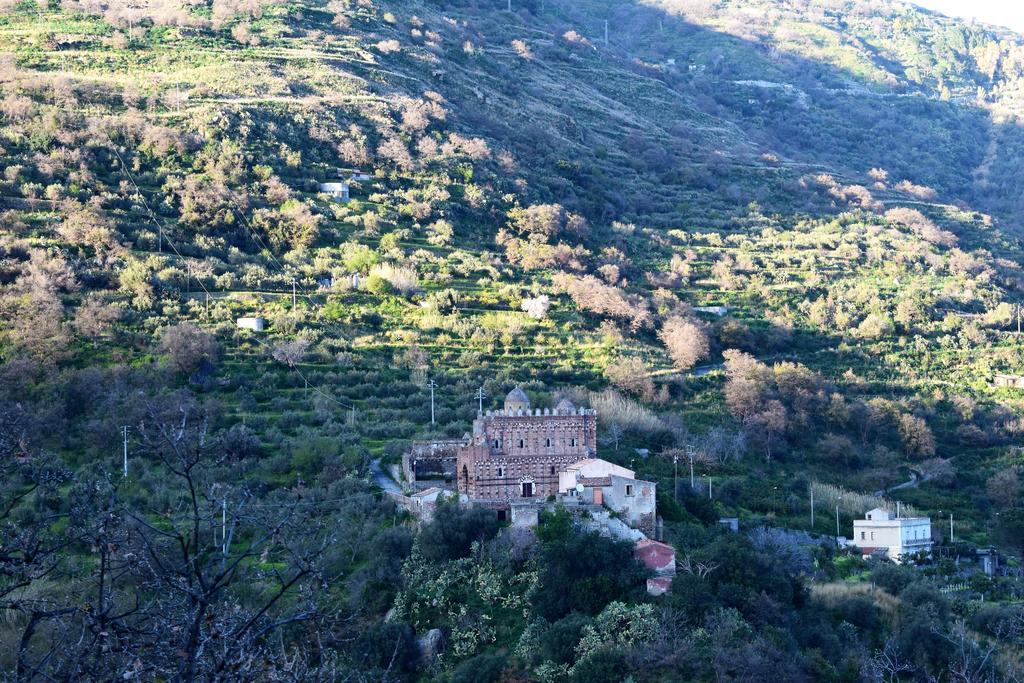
<point>517,400</point>
<point>565,406</point>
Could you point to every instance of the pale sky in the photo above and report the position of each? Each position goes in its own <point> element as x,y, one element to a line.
<point>1008,13</point>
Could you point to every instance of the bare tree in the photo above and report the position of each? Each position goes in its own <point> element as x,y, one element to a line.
<point>214,538</point>
<point>887,665</point>
<point>291,353</point>
<point>1003,488</point>
<point>95,317</point>
<point>188,347</point>
<point>685,340</point>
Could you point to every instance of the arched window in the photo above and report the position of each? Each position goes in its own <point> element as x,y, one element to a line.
<point>501,471</point>
<point>522,443</point>
<point>572,442</point>
<point>547,442</point>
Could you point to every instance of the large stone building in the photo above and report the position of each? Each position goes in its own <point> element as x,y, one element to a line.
<point>517,453</point>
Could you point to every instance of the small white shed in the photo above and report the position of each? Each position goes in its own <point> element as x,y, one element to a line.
<point>254,324</point>
<point>337,191</point>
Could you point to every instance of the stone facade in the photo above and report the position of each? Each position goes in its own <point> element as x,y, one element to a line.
<point>431,460</point>
<point>518,452</point>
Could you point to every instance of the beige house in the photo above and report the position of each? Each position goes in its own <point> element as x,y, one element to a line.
<point>598,482</point>
<point>898,537</point>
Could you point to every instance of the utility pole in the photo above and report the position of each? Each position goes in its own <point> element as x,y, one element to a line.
<point>606,33</point>
<point>224,526</point>
<point>675,476</point>
<point>124,431</point>
<point>837,521</point>
<point>710,497</point>
<point>188,278</point>
<point>352,416</point>
<point>160,237</point>
<point>689,452</point>
<point>950,527</point>
<point>293,294</point>
<point>207,302</point>
<point>480,396</point>
<point>432,385</point>
<point>509,5</point>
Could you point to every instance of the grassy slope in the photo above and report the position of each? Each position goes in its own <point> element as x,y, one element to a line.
<point>615,133</point>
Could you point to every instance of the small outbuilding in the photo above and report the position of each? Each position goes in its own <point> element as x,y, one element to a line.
<point>256,324</point>
<point>660,558</point>
<point>338,191</point>
<point>1002,379</point>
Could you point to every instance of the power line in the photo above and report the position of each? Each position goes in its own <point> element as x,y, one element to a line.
<point>297,371</point>
<point>152,215</point>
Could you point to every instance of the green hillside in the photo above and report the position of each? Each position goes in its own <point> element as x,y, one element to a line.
<point>551,196</point>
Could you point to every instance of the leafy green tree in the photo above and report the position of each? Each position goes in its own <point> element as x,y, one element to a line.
<point>584,572</point>
<point>454,529</point>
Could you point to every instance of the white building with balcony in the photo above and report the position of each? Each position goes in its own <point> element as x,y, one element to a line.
<point>897,537</point>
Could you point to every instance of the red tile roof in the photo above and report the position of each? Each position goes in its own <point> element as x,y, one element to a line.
<point>661,557</point>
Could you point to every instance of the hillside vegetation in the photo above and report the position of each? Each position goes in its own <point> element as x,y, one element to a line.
<point>554,194</point>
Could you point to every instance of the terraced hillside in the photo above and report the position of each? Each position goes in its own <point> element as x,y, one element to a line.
<point>547,202</point>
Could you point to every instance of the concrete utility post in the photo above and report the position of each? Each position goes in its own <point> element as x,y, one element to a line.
<point>432,385</point>
<point>837,521</point>
<point>293,294</point>
<point>124,431</point>
<point>480,396</point>
<point>689,452</point>
<point>224,525</point>
<point>812,509</point>
<point>675,475</point>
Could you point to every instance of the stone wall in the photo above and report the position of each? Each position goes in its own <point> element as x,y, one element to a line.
<point>519,454</point>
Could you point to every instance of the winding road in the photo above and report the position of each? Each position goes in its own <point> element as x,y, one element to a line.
<point>381,478</point>
<point>911,483</point>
